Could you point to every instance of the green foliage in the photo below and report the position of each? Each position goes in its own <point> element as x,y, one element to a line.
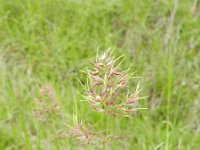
<point>51,41</point>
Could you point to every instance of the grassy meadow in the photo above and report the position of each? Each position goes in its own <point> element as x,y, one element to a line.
<point>52,41</point>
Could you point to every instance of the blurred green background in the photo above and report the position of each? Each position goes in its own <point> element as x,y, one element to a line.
<point>50,41</point>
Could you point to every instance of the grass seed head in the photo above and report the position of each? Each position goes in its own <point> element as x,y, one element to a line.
<point>46,106</point>
<point>107,88</point>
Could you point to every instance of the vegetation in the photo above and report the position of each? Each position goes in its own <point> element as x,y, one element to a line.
<point>45,45</point>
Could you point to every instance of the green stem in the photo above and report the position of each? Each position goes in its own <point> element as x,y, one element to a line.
<point>169,84</point>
